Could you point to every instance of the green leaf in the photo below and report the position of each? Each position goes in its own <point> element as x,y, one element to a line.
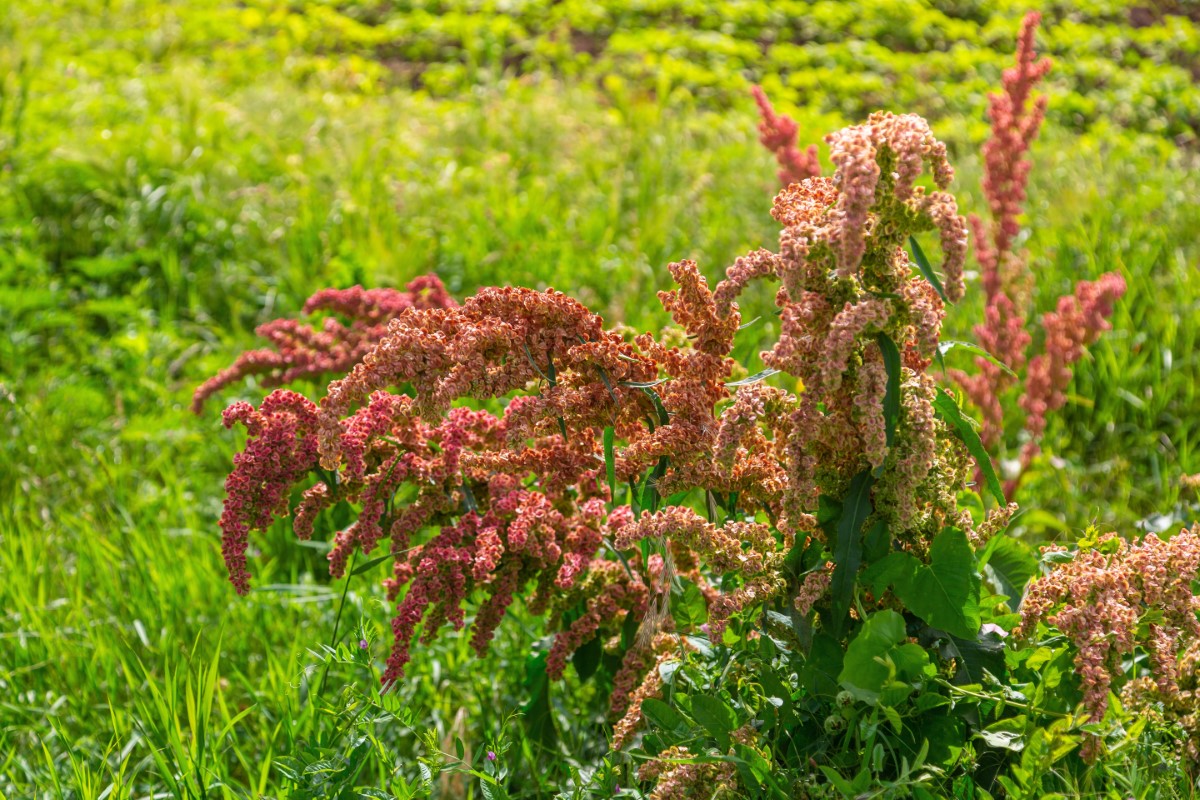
<point>663,716</point>
<point>876,542</point>
<point>864,671</point>
<point>926,270</point>
<point>650,495</point>
<point>950,344</point>
<point>985,652</point>
<point>848,551</point>
<point>374,562</point>
<point>755,378</point>
<point>716,717</point>
<point>949,412</point>
<point>538,716</point>
<point>663,417</point>
<point>688,607</point>
<point>946,592</point>
<point>587,658</point>
<point>610,463</point>
<point>1011,564</point>
<point>891,398</point>
<point>608,385</point>
<point>1008,733</point>
<point>774,688</point>
<point>819,675</point>
<point>894,569</point>
<point>841,784</point>
<point>893,717</point>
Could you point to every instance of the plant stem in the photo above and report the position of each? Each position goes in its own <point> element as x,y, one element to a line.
<point>337,621</point>
<point>1007,702</point>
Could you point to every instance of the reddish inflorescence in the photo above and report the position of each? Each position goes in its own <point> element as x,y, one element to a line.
<point>304,351</point>
<point>1115,597</point>
<point>1008,282</point>
<point>777,132</point>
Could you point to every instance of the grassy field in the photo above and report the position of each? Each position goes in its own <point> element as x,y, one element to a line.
<point>173,174</point>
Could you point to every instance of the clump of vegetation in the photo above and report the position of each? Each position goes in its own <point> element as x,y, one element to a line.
<point>832,564</point>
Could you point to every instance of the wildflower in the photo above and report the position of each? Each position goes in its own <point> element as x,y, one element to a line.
<point>1098,599</point>
<point>491,755</point>
<point>1015,124</point>
<point>1077,322</point>
<point>678,777</point>
<point>305,352</point>
<point>777,132</point>
<point>1007,280</point>
<point>281,449</point>
<point>813,588</point>
<point>488,504</point>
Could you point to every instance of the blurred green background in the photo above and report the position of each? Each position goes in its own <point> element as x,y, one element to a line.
<point>174,173</point>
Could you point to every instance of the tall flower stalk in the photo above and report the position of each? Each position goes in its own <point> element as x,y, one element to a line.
<point>1078,319</point>
<point>1017,389</point>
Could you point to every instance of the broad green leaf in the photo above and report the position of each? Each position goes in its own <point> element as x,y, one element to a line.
<point>894,569</point>
<point>663,716</point>
<point>848,549</point>
<point>910,660</point>
<point>819,676</point>
<point>775,688</point>
<point>974,656</point>
<point>945,593</point>
<point>926,270</point>
<point>716,717</point>
<point>1011,564</point>
<point>688,606</point>
<point>1008,733</point>
<point>538,716</point>
<point>864,671</point>
<point>952,415</point>
<point>876,542</point>
<point>1008,740</point>
<point>587,658</point>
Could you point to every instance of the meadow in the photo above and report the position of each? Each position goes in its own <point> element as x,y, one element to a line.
<point>174,174</point>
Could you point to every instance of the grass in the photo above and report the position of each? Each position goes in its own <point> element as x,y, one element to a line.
<point>156,203</point>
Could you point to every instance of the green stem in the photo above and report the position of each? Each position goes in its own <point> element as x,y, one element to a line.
<point>1006,701</point>
<point>337,621</point>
